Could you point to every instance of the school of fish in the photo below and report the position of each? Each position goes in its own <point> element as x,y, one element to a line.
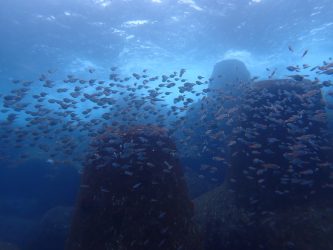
<point>58,121</point>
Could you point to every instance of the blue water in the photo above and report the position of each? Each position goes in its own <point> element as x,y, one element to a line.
<point>83,39</point>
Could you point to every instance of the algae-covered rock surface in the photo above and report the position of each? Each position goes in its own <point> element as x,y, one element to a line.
<point>225,225</point>
<point>278,189</point>
<point>133,196</point>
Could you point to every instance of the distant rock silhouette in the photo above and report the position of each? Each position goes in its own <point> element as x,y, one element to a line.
<point>199,148</point>
<point>229,72</point>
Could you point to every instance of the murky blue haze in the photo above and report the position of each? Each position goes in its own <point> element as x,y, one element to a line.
<point>56,97</point>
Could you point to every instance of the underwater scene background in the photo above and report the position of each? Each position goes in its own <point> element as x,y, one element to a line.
<point>166,124</point>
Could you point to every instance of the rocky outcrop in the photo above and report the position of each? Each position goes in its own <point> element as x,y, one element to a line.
<point>204,131</point>
<point>278,190</point>
<point>227,73</point>
<point>133,195</point>
<point>282,149</point>
<point>226,225</point>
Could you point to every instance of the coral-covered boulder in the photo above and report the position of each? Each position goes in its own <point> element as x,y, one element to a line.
<point>133,195</point>
<point>278,190</point>
<point>282,149</point>
<point>226,225</point>
<point>203,133</point>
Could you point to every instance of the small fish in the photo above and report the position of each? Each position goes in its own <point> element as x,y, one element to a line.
<point>168,165</point>
<point>298,78</point>
<point>327,72</point>
<point>255,146</point>
<point>270,165</point>
<point>128,173</point>
<point>137,185</point>
<point>290,48</point>
<point>182,71</point>
<point>257,161</point>
<point>51,161</point>
<point>261,181</point>
<point>272,74</point>
<point>307,172</point>
<point>305,52</point>
<point>293,68</point>
<point>217,158</point>
<point>161,215</point>
<point>150,164</point>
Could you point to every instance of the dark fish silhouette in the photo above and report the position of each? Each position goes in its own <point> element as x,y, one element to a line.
<point>304,53</point>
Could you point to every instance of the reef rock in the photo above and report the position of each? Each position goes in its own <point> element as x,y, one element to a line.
<point>226,225</point>
<point>229,72</point>
<point>200,126</point>
<point>278,189</point>
<point>133,195</point>
<point>282,149</point>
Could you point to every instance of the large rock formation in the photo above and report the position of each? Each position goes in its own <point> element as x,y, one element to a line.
<point>279,186</point>
<point>206,127</point>
<point>282,147</point>
<point>229,72</point>
<point>133,195</point>
<point>226,225</point>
